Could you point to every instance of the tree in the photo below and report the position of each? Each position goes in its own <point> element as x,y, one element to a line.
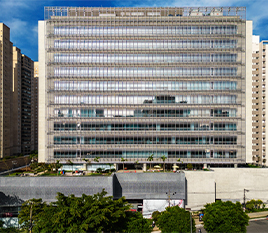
<point>175,219</point>
<point>34,155</point>
<point>225,217</point>
<point>29,212</point>
<point>96,213</point>
<point>164,159</point>
<point>179,160</point>
<point>88,162</point>
<point>150,159</point>
<point>155,215</point>
<point>110,165</point>
<point>136,164</point>
<point>136,223</point>
<point>8,229</point>
<point>26,161</point>
<point>97,159</point>
<point>69,162</point>
<point>123,160</point>
<point>189,166</point>
<point>55,166</point>
<point>99,170</point>
<point>254,205</point>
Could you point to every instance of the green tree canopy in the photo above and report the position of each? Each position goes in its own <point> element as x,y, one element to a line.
<point>164,159</point>
<point>136,223</point>
<point>150,159</point>
<point>31,207</point>
<point>155,215</point>
<point>175,219</point>
<point>96,213</point>
<point>255,205</point>
<point>225,217</point>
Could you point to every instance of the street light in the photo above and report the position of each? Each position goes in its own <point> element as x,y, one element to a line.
<point>245,190</point>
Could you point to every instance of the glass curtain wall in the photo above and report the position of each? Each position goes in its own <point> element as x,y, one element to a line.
<point>131,82</point>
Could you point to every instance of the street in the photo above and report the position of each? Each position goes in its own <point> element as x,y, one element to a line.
<point>258,226</point>
<point>255,226</point>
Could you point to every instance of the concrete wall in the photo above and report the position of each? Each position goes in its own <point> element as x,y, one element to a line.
<point>200,188</point>
<point>230,184</point>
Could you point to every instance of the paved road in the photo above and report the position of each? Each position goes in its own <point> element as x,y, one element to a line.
<point>255,226</point>
<point>259,226</point>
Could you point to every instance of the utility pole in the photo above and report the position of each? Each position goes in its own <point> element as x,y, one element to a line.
<point>245,190</point>
<point>168,193</point>
<point>31,215</point>
<point>191,221</point>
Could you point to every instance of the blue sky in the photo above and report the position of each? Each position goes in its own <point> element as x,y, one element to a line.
<point>22,15</point>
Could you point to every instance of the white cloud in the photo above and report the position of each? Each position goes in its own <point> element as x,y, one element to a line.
<point>15,14</point>
<point>12,8</point>
<point>17,25</point>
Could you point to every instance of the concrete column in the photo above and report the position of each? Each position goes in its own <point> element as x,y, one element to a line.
<point>205,166</point>
<point>235,165</point>
<point>116,166</point>
<point>144,167</point>
<point>85,167</point>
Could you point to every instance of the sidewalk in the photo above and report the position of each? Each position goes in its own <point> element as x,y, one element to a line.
<point>258,214</point>
<point>198,223</point>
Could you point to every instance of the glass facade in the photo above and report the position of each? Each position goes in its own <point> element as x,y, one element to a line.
<point>128,83</point>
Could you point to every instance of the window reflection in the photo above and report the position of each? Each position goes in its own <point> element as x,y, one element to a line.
<point>143,58</point>
<point>199,140</point>
<point>144,30</point>
<point>143,86</point>
<point>142,72</point>
<point>145,100</point>
<point>110,113</point>
<point>194,126</point>
<point>144,44</point>
<point>145,154</point>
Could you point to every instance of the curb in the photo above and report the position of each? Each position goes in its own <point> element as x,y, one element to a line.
<point>256,219</point>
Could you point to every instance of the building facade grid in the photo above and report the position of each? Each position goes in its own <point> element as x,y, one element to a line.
<point>259,91</point>
<point>131,82</point>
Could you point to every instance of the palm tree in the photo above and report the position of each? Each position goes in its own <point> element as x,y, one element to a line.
<point>164,158</point>
<point>110,165</point>
<point>57,166</point>
<point>150,159</point>
<point>136,164</point>
<point>179,160</point>
<point>123,161</point>
<point>96,159</point>
<point>88,162</point>
<point>69,162</point>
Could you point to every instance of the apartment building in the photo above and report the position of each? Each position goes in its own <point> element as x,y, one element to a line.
<point>259,90</point>
<point>27,123</point>
<point>16,101</point>
<point>6,140</point>
<point>121,84</point>
<point>35,104</point>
